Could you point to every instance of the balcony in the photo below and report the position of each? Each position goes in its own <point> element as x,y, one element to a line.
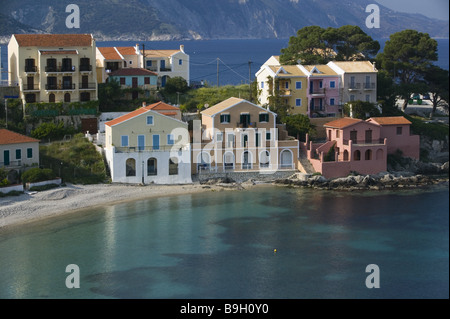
<point>166,69</point>
<point>364,142</point>
<point>285,93</point>
<point>85,68</point>
<point>60,87</point>
<point>370,86</point>
<point>31,69</point>
<point>354,86</point>
<point>246,125</point>
<point>88,86</point>
<point>317,92</point>
<point>31,87</point>
<point>59,69</point>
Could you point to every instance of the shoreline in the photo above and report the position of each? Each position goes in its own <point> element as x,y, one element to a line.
<point>70,199</point>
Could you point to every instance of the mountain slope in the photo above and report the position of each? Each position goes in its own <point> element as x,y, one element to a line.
<point>208,19</point>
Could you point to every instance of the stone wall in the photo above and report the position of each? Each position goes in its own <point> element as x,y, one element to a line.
<point>240,177</point>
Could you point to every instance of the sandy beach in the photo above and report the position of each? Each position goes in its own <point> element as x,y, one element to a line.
<point>71,198</point>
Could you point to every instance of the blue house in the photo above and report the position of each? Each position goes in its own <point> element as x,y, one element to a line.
<point>140,83</point>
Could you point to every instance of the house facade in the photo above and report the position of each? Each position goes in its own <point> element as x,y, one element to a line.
<point>354,145</point>
<point>167,63</point>
<point>239,136</point>
<point>289,82</point>
<point>17,150</point>
<point>111,59</point>
<point>358,80</point>
<point>53,67</point>
<point>140,82</point>
<point>146,147</point>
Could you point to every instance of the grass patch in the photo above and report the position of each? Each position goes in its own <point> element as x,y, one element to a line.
<point>76,161</point>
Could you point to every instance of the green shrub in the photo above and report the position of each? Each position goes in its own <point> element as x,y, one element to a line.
<point>37,174</point>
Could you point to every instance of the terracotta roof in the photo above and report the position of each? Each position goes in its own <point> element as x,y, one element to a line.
<point>8,137</point>
<point>159,53</point>
<point>132,71</point>
<point>394,120</point>
<point>161,106</point>
<point>128,116</point>
<point>222,106</point>
<point>110,53</point>
<point>356,66</point>
<point>65,52</point>
<point>342,123</point>
<point>54,40</point>
<point>127,50</point>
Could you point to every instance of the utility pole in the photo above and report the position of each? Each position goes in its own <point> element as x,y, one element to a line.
<point>218,72</point>
<point>6,112</point>
<point>250,78</point>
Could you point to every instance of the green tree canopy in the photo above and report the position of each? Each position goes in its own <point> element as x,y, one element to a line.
<point>316,45</point>
<point>437,81</point>
<point>299,125</point>
<point>361,110</point>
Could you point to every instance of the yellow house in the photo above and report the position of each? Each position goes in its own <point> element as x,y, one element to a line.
<point>53,67</point>
<point>146,146</point>
<point>286,82</point>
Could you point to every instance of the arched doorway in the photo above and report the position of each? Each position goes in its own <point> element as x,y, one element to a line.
<point>286,159</point>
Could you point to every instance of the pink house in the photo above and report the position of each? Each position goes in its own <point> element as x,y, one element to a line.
<point>398,132</point>
<point>323,90</point>
<point>360,146</point>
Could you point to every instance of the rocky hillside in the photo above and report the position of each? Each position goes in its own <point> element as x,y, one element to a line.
<point>203,19</point>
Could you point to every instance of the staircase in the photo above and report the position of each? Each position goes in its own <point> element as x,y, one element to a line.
<point>305,165</point>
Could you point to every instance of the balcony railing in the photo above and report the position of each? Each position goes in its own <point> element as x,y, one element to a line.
<point>317,92</point>
<point>246,125</point>
<point>59,69</point>
<point>34,87</point>
<point>31,69</point>
<point>165,69</point>
<point>160,148</point>
<point>354,86</point>
<point>59,87</point>
<point>85,68</point>
<point>365,142</point>
<point>369,86</point>
<point>88,86</point>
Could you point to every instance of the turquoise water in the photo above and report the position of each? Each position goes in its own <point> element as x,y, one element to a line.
<point>221,245</point>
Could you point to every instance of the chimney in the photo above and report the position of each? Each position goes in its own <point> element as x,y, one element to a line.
<point>182,48</point>
<point>144,104</point>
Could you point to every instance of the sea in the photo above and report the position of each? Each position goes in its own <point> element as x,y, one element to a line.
<point>264,243</point>
<point>230,57</point>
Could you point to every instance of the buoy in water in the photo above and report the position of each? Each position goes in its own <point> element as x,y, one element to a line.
<point>275,251</point>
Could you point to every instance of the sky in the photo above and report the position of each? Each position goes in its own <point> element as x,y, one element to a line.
<point>437,9</point>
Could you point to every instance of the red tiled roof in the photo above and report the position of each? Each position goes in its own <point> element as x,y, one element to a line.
<point>161,106</point>
<point>341,123</point>
<point>110,54</point>
<point>127,117</point>
<point>127,50</point>
<point>131,72</point>
<point>8,137</point>
<point>54,40</point>
<point>58,52</point>
<point>393,120</point>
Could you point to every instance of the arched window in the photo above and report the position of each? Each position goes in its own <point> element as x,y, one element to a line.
<point>345,155</point>
<point>357,156</point>
<point>173,166</point>
<point>247,160</point>
<point>67,97</point>
<point>51,98</point>
<point>368,156</point>
<point>228,160</point>
<point>264,159</point>
<point>204,161</point>
<point>130,167</point>
<point>286,159</point>
<point>152,167</point>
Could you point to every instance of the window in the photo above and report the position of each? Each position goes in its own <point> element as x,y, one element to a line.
<point>170,139</point>
<point>149,63</point>
<point>368,155</point>
<point>268,136</point>
<point>367,98</point>
<point>152,167</point>
<point>131,62</point>
<point>264,159</point>
<point>262,85</point>
<point>150,120</point>
<point>321,85</point>
<point>122,81</point>
<point>130,167</point>
<point>245,119</point>
<point>67,97</point>
<point>180,62</point>
<point>51,98</point>
<point>264,117</point>
<point>399,130</point>
<point>85,96</point>
<point>352,98</point>
<point>298,102</point>
<point>30,98</point>
<point>298,85</point>
<point>29,153</point>
<point>357,156</point>
<point>18,154</point>
<point>156,142</point>
<point>338,133</point>
<point>225,118</point>
<point>230,140</point>
<point>125,141</point>
<point>332,102</point>
<point>219,137</point>
<point>286,85</point>
<point>147,80</point>
<point>332,84</point>
<point>173,166</point>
